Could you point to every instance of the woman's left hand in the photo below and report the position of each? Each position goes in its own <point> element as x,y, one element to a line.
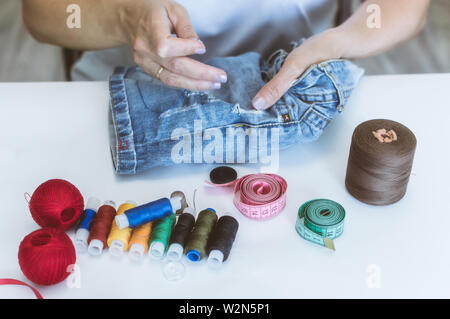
<point>316,49</point>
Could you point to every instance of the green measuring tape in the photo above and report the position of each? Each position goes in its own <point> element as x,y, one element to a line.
<point>320,221</point>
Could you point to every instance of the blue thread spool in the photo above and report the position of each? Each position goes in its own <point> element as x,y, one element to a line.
<point>148,212</point>
<point>82,234</point>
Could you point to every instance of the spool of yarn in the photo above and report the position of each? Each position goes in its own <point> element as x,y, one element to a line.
<point>82,234</point>
<point>118,238</point>
<point>149,212</point>
<point>260,196</point>
<point>101,226</point>
<point>159,238</point>
<point>380,162</point>
<point>197,242</point>
<point>180,234</point>
<point>320,221</point>
<point>221,240</point>
<point>139,241</point>
<point>45,254</point>
<point>56,203</point>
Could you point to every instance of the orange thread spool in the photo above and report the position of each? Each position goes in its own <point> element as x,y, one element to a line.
<point>139,241</point>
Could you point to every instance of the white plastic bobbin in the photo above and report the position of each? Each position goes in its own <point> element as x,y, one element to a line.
<point>137,252</point>
<point>175,252</point>
<point>110,203</point>
<point>215,259</point>
<point>93,203</point>
<point>156,250</point>
<point>81,238</point>
<point>95,247</point>
<point>131,202</point>
<point>116,248</point>
<point>174,271</point>
<point>122,221</point>
<point>189,210</point>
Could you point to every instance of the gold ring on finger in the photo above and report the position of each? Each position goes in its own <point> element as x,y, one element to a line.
<point>158,74</point>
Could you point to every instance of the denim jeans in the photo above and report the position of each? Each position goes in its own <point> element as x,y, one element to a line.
<point>152,124</point>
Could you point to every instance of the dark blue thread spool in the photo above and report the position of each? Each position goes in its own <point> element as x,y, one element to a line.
<point>148,212</point>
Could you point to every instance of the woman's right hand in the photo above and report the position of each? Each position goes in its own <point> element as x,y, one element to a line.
<point>149,25</point>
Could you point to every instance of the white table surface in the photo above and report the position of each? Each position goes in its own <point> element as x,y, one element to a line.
<point>59,130</point>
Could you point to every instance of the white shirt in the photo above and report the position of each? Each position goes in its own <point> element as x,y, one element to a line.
<point>229,28</point>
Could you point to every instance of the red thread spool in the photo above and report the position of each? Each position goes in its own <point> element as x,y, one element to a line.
<point>45,254</point>
<point>56,203</point>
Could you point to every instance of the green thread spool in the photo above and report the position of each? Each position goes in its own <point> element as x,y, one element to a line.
<point>159,238</point>
<point>320,221</point>
<point>195,248</point>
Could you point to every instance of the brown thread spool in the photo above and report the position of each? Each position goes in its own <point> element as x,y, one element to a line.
<point>380,161</point>
<point>101,226</point>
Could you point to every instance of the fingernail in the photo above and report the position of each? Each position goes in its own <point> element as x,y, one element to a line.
<point>259,103</point>
<point>221,78</point>
<point>200,51</point>
<point>215,86</point>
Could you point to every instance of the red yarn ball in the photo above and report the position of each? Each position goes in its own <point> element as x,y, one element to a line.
<point>45,254</point>
<point>56,203</point>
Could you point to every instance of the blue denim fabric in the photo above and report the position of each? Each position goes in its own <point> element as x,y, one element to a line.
<point>149,119</point>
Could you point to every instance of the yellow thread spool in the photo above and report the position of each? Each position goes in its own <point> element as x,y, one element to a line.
<point>139,241</point>
<point>118,238</point>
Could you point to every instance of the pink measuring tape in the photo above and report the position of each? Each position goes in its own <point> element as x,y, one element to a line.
<point>259,196</point>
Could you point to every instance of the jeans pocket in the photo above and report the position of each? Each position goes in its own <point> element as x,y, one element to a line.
<point>312,123</point>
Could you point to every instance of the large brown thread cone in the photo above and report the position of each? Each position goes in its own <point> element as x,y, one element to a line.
<point>378,172</point>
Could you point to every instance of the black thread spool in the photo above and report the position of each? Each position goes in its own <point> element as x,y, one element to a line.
<point>222,175</point>
<point>380,162</point>
<point>180,234</point>
<point>221,240</point>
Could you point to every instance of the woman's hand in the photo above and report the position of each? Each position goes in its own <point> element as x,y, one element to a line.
<point>355,38</point>
<point>316,49</point>
<point>146,25</point>
<point>149,25</point>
